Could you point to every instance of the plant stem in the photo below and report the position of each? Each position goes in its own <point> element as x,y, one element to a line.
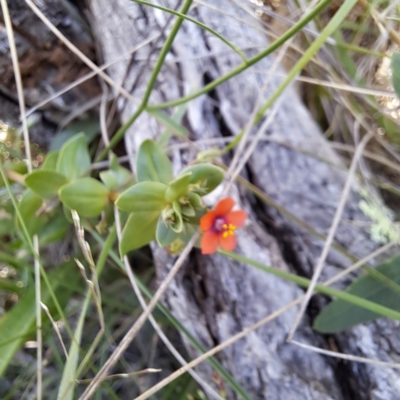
<point>160,62</point>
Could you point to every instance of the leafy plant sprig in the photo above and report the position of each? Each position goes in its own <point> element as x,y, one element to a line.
<point>158,206</point>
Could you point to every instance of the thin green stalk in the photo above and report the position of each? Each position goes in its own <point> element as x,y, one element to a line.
<point>212,85</point>
<point>160,61</point>
<point>333,24</point>
<point>338,294</point>
<point>14,261</point>
<point>198,23</point>
<point>308,228</point>
<point>31,247</point>
<point>213,362</point>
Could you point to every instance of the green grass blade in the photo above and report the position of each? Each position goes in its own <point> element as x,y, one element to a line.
<point>340,315</point>
<point>338,294</point>
<point>19,323</point>
<point>67,386</point>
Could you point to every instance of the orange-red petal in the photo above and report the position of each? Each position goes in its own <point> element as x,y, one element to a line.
<point>207,221</point>
<point>236,218</point>
<point>209,242</point>
<point>224,206</point>
<point>228,243</point>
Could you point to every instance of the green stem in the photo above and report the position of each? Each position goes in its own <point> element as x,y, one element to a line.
<point>212,85</point>
<point>31,247</point>
<point>15,262</point>
<point>338,294</point>
<point>333,24</point>
<point>198,23</point>
<point>160,61</point>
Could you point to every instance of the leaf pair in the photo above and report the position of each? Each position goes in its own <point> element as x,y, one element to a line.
<point>63,176</point>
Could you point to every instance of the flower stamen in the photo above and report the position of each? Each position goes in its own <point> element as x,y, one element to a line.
<point>229,230</point>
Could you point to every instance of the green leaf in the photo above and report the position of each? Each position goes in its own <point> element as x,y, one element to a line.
<point>178,187</point>
<point>188,210</point>
<point>117,178</point>
<point>28,207</point>
<point>139,230</point>
<point>177,225</point>
<point>172,124</point>
<point>194,200</point>
<point>144,196</point>
<point>176,120</point>
<point>152,164</point>
<point>86,195</point>
<point>18,324</point>
<point>50,161</point>
<point>205,177</point>
<point>54,230</point>
<point>90,127</point>
<point>396,73</point>
<point>195,219</point>
<point>74,160</point>
<point>340,315</point>
<point>164,234</point>
<point>45,183</point>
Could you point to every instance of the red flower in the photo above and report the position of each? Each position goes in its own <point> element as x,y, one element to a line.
<point>219,227</point>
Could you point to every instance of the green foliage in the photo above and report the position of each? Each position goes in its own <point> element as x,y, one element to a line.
<point>164,235</point>
<point>45,183</point>
<point>18,324</point>
<point>152,164</point>
<point>29,206</point>
<point>178,187</point>
<point>144,196</point>
<point>74,159</point>
<point>396,73</point>
<point>138,231</point>
<point>86,195</point>
<point>163,207</point>
<point>117,178</point>
<point>204,178</point>
<point>90,127</point>
<point>50,161</point>
<point>340,315</point>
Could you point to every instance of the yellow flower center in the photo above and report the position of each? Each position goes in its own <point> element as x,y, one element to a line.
<point>228,230</point>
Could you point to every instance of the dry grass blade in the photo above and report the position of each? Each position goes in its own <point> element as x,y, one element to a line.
<point>90,75</point>
<point>265,320</point>
<point>139,322</point>
<point>21,101</point>
<point>346,356</point>
<point>82,56</point>
<point>267,122</point>
<point>238,154</point>
<point>92,284</point>
<point>215,350</point>
<point>210,391</point>
<point>123,376</point>
<point>55,327</point>
<point>332,232</point>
